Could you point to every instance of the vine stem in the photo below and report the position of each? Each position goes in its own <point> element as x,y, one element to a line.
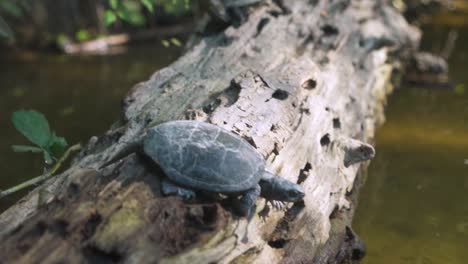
<point>42,177</point>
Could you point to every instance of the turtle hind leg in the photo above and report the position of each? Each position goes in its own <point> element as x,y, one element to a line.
<point>247,201</point>
<point>169,188</point>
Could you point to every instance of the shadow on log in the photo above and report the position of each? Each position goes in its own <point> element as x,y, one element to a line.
<point>304,82</point>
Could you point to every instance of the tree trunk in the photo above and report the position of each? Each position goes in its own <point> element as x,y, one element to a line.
<point>305,82</point>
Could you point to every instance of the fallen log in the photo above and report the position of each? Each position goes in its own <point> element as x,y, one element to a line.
<point>304,82</point>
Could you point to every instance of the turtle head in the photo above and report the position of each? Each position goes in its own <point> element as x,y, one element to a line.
<point>291,192</point>
<point>279,189</point>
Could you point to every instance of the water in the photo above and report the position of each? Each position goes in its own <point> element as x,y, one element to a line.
<point>414,206</point>
<point>79,95</point>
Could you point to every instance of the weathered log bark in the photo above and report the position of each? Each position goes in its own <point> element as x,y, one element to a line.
<point>305,84</point>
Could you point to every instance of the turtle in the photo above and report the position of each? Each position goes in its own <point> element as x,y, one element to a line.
<point>198,156</point>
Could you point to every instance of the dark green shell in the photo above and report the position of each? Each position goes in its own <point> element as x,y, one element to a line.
<point>203,156</point>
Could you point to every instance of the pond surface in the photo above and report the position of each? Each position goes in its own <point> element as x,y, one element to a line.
<point>79,95</point>
<point>414,205</point>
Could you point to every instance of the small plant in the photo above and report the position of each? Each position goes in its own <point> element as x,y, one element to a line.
<point>131,11</point>
<point>128,11</point>
<point>35,127</point>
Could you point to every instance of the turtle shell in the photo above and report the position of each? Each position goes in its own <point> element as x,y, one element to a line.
<point>203,156</point>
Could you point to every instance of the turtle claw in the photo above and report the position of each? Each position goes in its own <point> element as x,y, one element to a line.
<point>187,195</point>
<point>278,205</point>
<point>263,214</point>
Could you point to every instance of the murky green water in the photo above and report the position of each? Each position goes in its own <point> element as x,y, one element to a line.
<point>80,96</point>
<point>414,206</point>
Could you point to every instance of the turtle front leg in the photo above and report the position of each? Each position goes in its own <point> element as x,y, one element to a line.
<point>169,188</point>
<point>277,205</point>
<point>247,201</point>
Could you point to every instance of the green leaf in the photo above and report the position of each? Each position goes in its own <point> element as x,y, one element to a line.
<point>22,148</point>
<point>130,12</point>
<point>148,5</point>
<point>176,42</point>
<point>5,30</point>
<point>82,35</point>
<point>137,19</point>
<point>109,18</point>
<point>57,145</point>
<point>61,39</point>
<point>165,43</point>
<point>123,14</point>
<point>113,4</point>
<point>131,17</point>
<point>33,125</point>
<point>11,8</point>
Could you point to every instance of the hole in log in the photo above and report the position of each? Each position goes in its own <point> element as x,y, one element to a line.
<point>201,217</point>
<point>336,123</point>
<point>38,230</point>
<point>358,249</point>
<point>309,84</point>
<point>73,190</point>
<point>59,227</point>
<point>361,42</point>
<point>276,149</point>
<point>274,13</point>
<point>209,108</point>
<point>230,96</point>
<point>289,216</point>
<point>91,225</point>
<point>232,93</point>
<point>324,61</point>
<point>280,94</point>
<point>210,214</point>
<point>325,140</point>
<point>329,30</point>
<point>281,5</point>
<point>302,48</point>
<point>279,243</point>
<point>334,213</point>
<point>261,25</point>
<point>226,41</point>
<point>94,254</point>
<point>304,173</point>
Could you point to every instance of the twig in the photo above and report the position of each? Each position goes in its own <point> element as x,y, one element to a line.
<point>43,177</point>
<point>449,44</point>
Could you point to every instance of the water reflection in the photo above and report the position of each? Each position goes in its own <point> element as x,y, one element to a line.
<point>413,208</point>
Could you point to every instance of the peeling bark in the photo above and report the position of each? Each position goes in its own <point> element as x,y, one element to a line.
<point>305,87</point>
